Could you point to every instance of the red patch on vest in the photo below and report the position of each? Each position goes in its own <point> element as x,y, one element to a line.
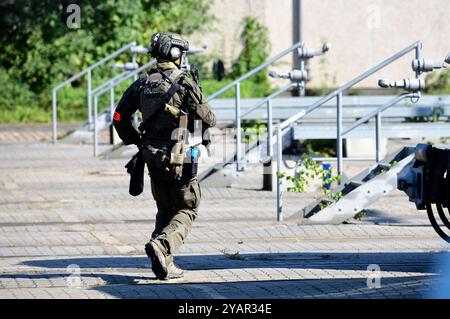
<point>117,117</point>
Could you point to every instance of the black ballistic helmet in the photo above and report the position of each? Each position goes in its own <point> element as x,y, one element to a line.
<point>167,46</point>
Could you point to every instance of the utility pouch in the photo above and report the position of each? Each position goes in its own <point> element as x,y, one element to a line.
<point>178,153</point>
<point>172,110</point>
<point>177,157</point>
<point>156,157</point>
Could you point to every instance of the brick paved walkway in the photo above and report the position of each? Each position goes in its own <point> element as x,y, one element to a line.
<point>60,209</point>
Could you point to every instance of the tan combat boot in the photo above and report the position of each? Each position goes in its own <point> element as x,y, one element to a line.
<point>173,271</point>
<point>155,254</point>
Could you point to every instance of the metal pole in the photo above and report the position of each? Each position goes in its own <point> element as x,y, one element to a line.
<point>54,114</point>
<point>135,77</point>
<point>301,87</point>
<point>300,20</point>
<point>418,56</point>
<point>378,136</point>
<point>95,125</point>
<point>54,137</point>
<point>111,114</point>
<point>111,101</point>
<point>339,145</point>
<point>279,180</point>
<point>269,129</point>
<point>237,96</point>
<point>89,97</point>
<point>297,32</point>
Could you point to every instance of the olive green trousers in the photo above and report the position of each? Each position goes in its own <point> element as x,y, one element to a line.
<point>177,203</point>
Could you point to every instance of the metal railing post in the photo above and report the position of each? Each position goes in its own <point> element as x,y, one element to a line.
<point>339,140</point>
<point>418,57</point>
<point>279,180</point>
<point>54,119</point>
<point>89,97</point>
<point>237,99</point>
<point>95,125</point>
<point>111,114</point>
<point>269,129</point>
<point>111,101</point>
<point>87,71</point>
<point>378,136</point>
<point>135,77</point>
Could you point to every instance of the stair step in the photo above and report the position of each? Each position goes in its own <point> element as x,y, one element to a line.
<point>355,183</point>
<point>367,189</point>
<point>384,165</point>
<point>329,200</point>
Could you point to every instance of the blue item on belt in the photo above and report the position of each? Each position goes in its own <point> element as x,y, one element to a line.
<point>194,162</point>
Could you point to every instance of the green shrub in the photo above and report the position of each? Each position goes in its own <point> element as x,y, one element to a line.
<point>256,50</point>
<point>40,50</point>
<point>14,94</point>
<point>438,83</point>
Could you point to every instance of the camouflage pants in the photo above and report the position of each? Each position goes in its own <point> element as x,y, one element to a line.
<point>177,203</point>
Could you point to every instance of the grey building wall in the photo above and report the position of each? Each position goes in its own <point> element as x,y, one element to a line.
<point>362,33</point>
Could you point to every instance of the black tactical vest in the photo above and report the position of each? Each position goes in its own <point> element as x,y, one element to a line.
<point>154,89</point>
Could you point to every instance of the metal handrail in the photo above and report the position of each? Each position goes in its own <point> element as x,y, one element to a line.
<point>284,126</point>
<point>270,97</point>
<point>377,115</point>
<point>112,83</point>
<point>268,101</point>
<point>382,108</point>
<point>87,71</point>
<point>237,95</point>
<point>108,82</point>
<point>350,84</point>
<point>256,70</point>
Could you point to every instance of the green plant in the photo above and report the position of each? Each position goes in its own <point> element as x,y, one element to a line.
<point>438,83</point>
<point>39,50</point>
<point>234,255</point>
<point>360,215</point>
<point>307,171</point>
<point>325,148</point>
<point>252,129</point>
<point>256,49</point>
<point>444,140</point>
<point>436,113</point>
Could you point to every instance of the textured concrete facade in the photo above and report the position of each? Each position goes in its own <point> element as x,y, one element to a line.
<point>362,33</point>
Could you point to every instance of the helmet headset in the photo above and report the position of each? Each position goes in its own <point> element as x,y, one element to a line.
<point>167,46</point>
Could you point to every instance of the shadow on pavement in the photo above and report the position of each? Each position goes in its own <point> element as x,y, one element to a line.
<point>400,287</point>
<point>120,281</point>
<point>411,261</point>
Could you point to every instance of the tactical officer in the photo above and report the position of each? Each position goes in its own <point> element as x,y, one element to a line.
<point>169,101</point>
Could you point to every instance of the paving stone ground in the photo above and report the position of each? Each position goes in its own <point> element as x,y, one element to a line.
<point>69,229</point>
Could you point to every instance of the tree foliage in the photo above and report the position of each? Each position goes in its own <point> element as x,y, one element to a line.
<point>438,82</point>
<point>38,49</point>
<point>256,50</point>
